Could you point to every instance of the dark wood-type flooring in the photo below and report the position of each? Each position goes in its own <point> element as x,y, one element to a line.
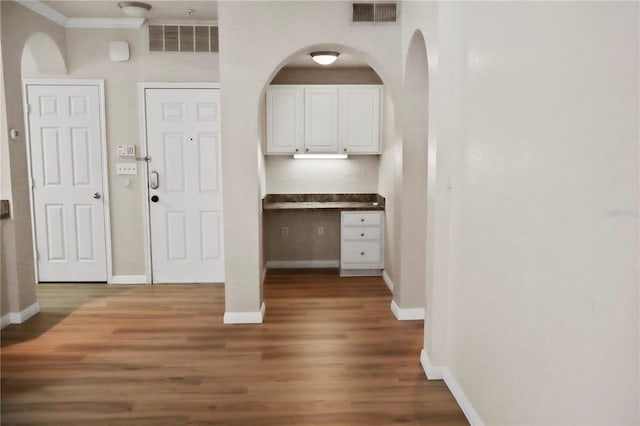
<point>329,353</point>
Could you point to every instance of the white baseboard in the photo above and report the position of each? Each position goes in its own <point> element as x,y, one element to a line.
<point>387,281</point>
<point>300,264</point>
<point>436,373</point>
<point>431,371</point>
<point>406,314</point>
<point>22,316</point>
<point>128,279</point>
<point>245,317</point>
<point>5,320</point>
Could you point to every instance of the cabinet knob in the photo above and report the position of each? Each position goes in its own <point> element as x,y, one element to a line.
<point>297,149</point>
<point>362,220</point>
<point>362,235</point>
<point>345,150</point>
<point>361,253</point>
<point>307,150</point>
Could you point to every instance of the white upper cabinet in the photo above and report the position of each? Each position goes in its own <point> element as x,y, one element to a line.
<point>321,119</point>
<point>359,120</point>
<point>324,119</point>
<point>285,120</point>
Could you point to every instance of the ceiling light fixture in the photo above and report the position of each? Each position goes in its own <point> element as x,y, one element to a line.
<point>324,57</point>
<point>134,9</point>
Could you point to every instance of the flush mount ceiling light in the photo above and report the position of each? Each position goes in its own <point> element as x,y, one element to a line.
<point>134,9</point>
<point>324,57</point>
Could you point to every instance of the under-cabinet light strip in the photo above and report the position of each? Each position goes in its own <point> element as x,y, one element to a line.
<point>320,156</point>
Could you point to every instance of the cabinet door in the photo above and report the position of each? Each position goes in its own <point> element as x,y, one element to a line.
<point>285,127</point>
<point>321,119</point>
<point>360,120</point>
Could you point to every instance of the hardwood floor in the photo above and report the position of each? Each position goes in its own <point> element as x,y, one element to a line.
<point>329,353</point>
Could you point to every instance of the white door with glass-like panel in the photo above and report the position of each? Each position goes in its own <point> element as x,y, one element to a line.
<point>185,188</point>
<point>67,179</point>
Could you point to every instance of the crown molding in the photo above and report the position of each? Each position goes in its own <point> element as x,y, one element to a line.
<point>125,23</point>
<point>55,16</point>
<point>44,10</point>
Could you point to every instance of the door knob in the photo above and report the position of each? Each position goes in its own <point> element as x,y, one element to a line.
<point>155,198</point>
<point>96,195</point>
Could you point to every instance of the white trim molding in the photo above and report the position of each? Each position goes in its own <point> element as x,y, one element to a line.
<point>302,264</point>
<point>431,371</point>
<point>245,317</point>
<point>406,314</point>
<point>5,320</point>
<point>25,314</point>
<point>123,23</point>
<point>57,17</point>
<point>45,11</point>
<point>387,280</point>
<point>442,373</point>
<point>129,279</point>
<point>19,317</point>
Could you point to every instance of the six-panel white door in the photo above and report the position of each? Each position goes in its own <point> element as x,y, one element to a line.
<point>183,141</point>
<point>66,166</point>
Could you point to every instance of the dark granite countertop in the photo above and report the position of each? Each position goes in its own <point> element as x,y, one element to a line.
<point>338,202</point>
<point>5,212</point>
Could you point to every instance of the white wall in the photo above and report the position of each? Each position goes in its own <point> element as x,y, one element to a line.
<point>357,174</point>
<point>18,25</point>
<point>88,57</point>
<point>543,279</point>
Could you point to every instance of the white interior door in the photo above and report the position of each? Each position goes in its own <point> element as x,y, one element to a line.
<point>185,190</point>
<point>66,165</point>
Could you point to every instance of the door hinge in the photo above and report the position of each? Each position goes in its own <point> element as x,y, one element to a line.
<point>29,109</point>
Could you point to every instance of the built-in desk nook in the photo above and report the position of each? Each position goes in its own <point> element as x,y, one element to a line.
<point>343,231</point>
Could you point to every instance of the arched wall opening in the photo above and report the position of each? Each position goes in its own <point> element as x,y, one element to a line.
<point>41,56</point>
<point>410,293</point>
<point>359,174</point>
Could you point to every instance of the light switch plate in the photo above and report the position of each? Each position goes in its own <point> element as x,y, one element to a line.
<point>126,168</point>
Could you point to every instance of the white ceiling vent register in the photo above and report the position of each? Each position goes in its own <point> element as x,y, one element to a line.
<point>374,12</point>
<point>183,38</point>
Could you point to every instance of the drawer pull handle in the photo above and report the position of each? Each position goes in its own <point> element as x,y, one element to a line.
<point>362,235</point>
<point>361,253</point>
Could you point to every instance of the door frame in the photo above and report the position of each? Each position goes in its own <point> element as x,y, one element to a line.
<point>142,88</point>
<point>99,83</point>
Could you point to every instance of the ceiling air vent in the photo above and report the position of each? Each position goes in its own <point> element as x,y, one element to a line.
<point>183,38</point>
<point>374,12</point>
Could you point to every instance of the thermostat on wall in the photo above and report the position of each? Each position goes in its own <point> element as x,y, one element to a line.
<point>119,51</point>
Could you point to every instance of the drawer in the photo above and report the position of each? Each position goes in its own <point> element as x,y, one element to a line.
<point>360,233</point>
<point>356,218</point>
<point>361,251</point>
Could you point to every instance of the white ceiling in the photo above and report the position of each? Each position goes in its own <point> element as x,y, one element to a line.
<point>160,10</point>
<point>176,11</point>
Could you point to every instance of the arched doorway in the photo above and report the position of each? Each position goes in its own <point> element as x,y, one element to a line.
<point>281,174</point>
<point>38,53</point>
